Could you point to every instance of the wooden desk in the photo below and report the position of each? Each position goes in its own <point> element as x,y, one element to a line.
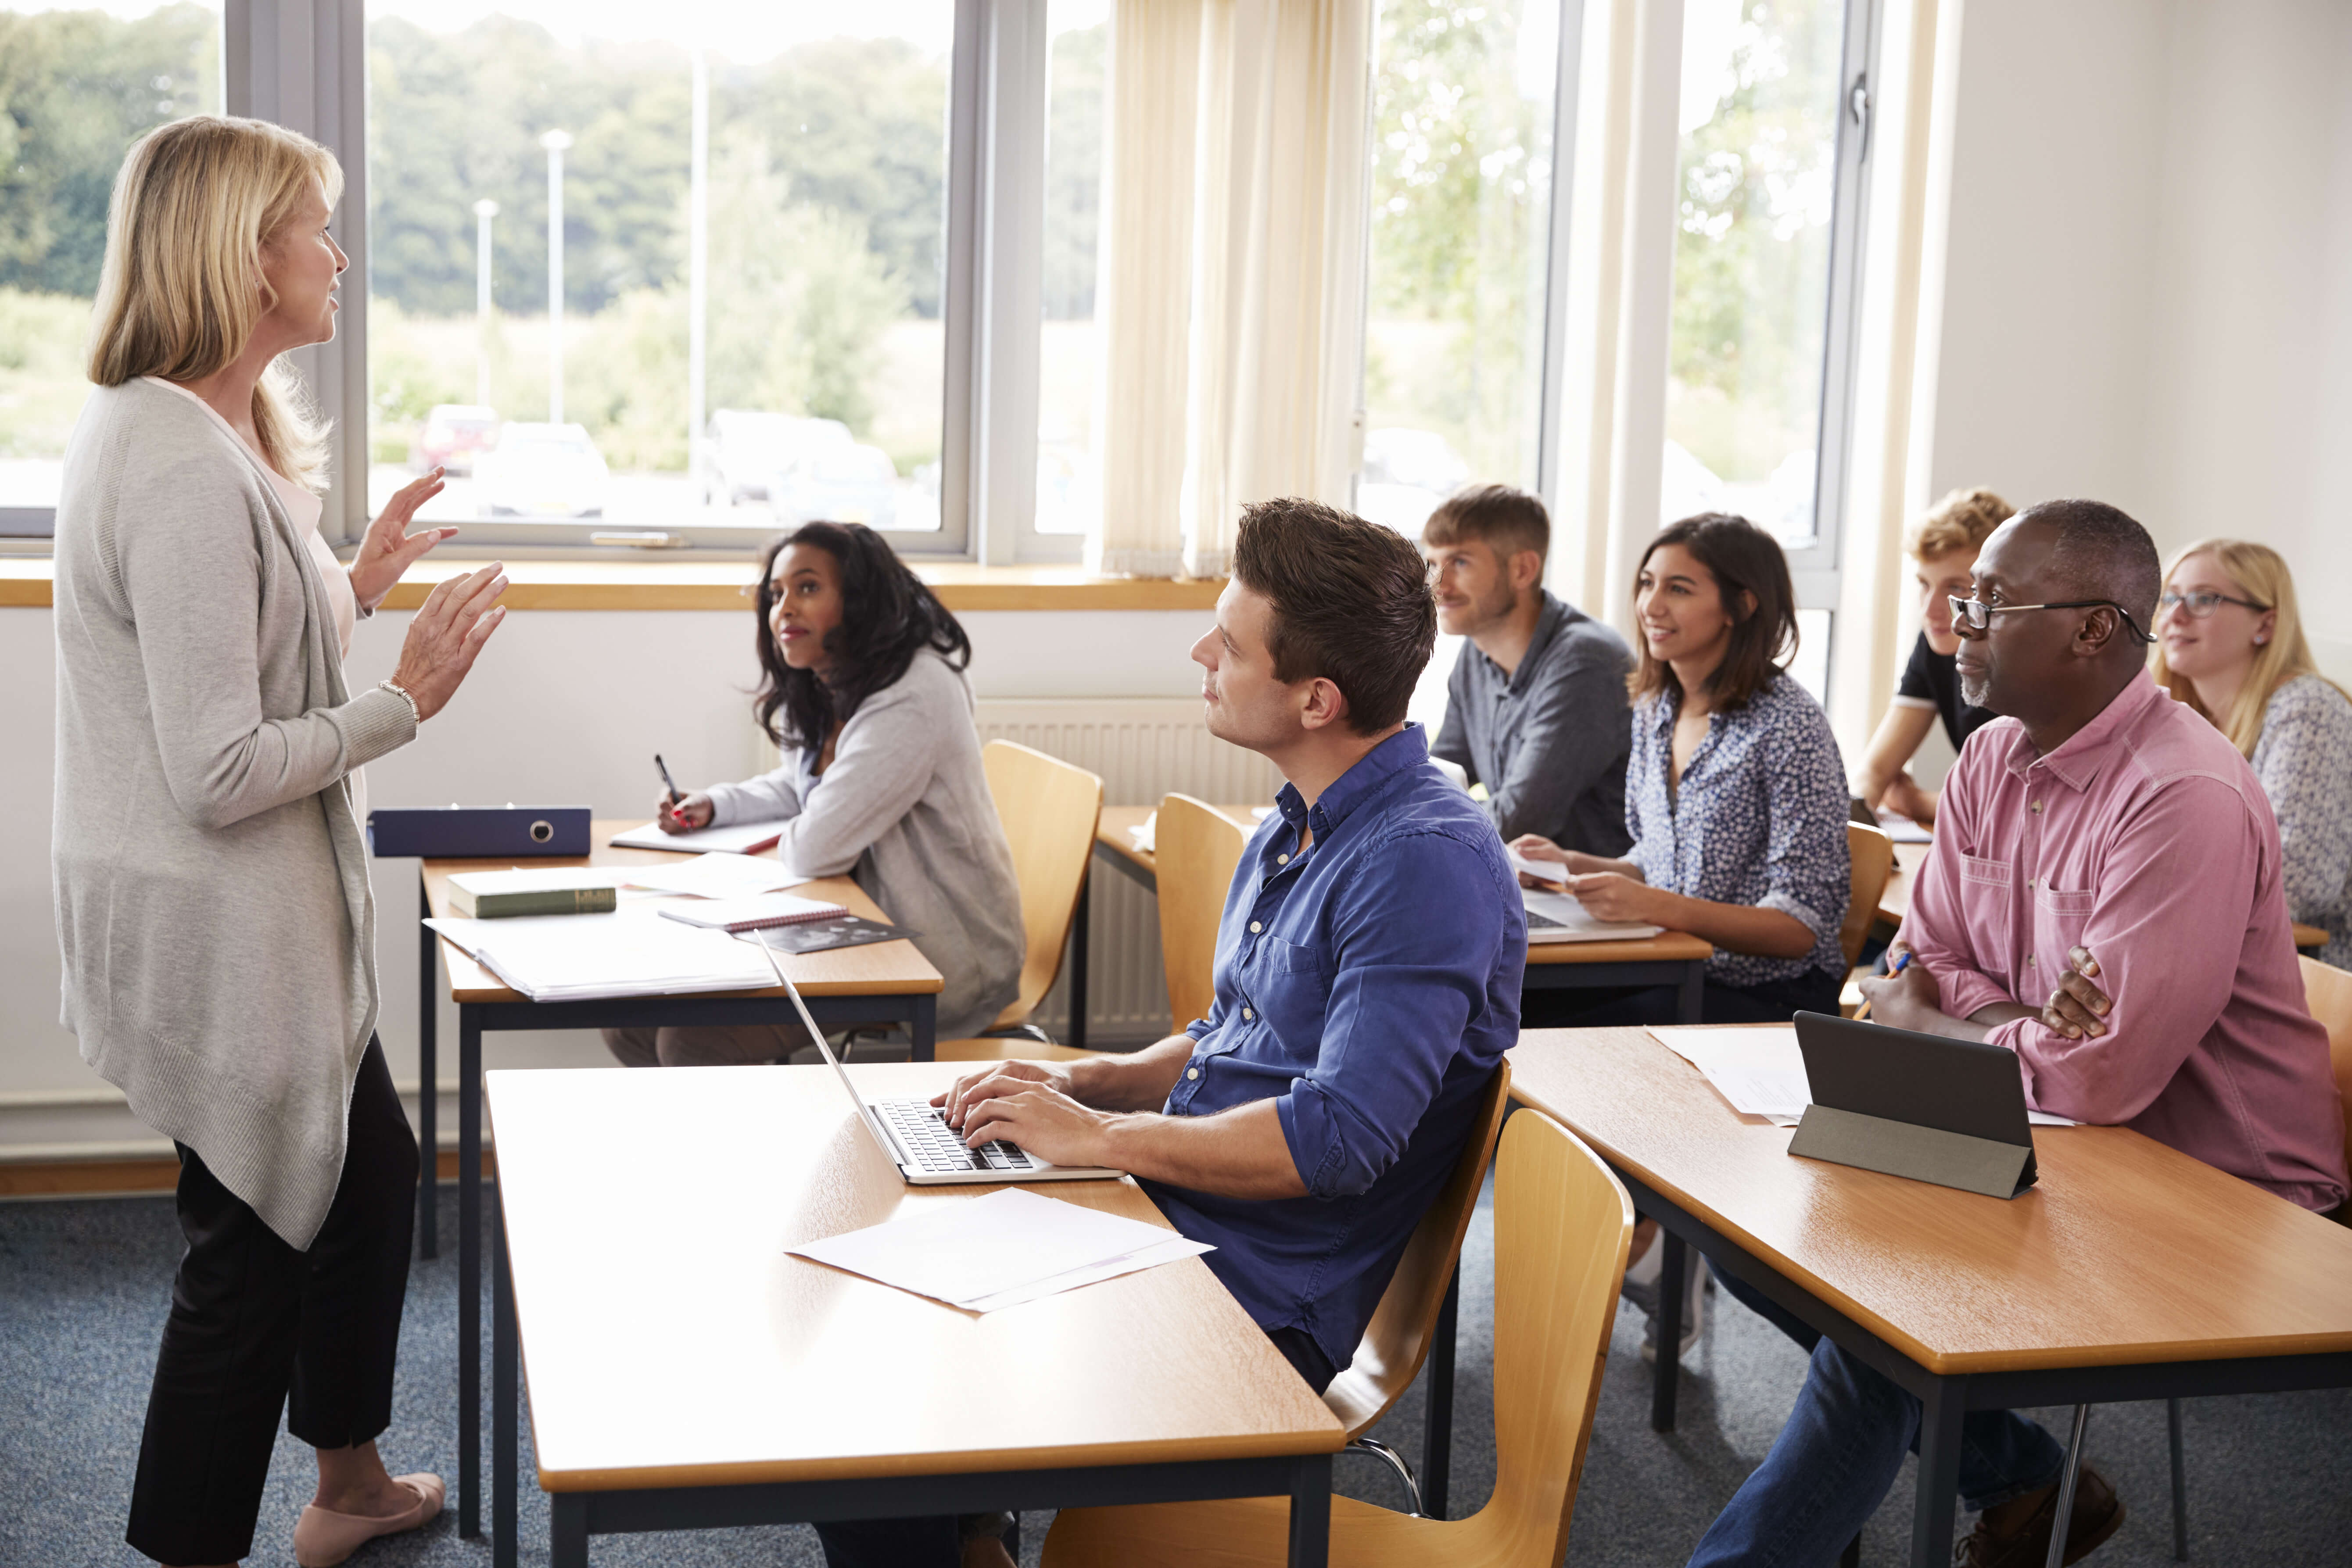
<point>2129,1272</point>
<point>684,1371</point>
<point>886,982</point>
<point>1671,957</point>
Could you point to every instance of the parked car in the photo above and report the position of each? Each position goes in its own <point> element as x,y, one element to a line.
<point>454,435</point>
<point>543,471</point>
<point>744,449</point>
<point>848,485</point>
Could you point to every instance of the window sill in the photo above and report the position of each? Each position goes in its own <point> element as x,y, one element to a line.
<point>709,586</point>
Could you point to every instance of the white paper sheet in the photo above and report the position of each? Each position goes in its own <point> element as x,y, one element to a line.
<point>1903,830</point>
<point>1761,1072</point>
<point>629,953</point>
<point>1011,1246</point>
<point>1551,872</point>
<point>742,839</point>
<point>715,875</point>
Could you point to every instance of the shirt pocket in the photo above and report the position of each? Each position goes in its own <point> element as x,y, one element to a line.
<point>1985,902</point>
<point>2059,916</point>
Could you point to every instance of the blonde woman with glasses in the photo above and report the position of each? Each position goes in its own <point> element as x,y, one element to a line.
<point>2230,644</point>
<point>211,881</point>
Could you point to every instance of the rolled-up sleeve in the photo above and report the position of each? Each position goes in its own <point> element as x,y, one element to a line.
<point>2191,850</point>
<point>1404,988</point>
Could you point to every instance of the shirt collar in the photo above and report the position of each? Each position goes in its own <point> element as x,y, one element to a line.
<point>2076,763</point>
<point>1401,750</point>
<point>1548,624</point>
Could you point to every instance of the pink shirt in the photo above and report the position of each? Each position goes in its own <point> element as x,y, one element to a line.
<point>2144,838</point>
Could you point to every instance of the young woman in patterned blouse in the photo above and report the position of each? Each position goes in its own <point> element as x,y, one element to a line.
<point>2230,643</point>
<point>1735,793</point>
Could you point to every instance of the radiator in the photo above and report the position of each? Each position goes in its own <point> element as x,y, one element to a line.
<point>1143,748</point>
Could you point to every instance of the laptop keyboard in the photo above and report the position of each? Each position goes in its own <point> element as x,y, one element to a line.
<point>935,1146</point>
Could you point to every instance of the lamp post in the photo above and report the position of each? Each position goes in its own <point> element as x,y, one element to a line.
<point>697,269</point>
<point>555,142</point>
<point>484,211</point>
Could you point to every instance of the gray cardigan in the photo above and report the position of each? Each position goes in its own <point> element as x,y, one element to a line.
<point>905,811</point>
<point>211,882</point>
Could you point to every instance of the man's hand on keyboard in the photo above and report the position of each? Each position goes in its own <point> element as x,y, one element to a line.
<point>1039,1117</point>
<point>997,1078</point>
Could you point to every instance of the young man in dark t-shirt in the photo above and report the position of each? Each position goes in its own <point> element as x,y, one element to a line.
<point>1944,543</point>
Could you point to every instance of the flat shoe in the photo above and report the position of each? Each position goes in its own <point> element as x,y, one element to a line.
<point>323,1538</point>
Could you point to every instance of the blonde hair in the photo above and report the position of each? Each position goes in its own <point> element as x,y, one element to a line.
<point>2262,575</point>
<point>1962,520</point>
<point>182,289</point>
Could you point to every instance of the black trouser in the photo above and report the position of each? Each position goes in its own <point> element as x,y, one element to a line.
<point>937,1541</point>
<point>1815,990</point>
<point>253,1320</point>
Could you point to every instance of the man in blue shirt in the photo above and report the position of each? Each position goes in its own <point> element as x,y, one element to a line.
<point>1368,964</point>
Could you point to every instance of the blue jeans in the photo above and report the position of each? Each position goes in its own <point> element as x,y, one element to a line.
<point>1837,1457</point>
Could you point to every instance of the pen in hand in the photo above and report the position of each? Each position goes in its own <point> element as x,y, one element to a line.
<point>668,783</point>
<point>1902,962</point>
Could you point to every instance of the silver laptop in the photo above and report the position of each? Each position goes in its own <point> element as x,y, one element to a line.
<point>1558,917</point>
<point>928,1151</point>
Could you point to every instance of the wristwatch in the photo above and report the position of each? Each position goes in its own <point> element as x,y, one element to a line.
<point>402,693</point>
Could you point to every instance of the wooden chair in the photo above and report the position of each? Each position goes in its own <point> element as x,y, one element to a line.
<point>1195,848</point>
<point>1405,1325</point>
<point>1562,1225</point>
<point>1872,855</point>
<point>1049,809</point>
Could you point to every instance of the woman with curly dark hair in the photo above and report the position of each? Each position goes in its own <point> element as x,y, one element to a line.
<point>862,686</point>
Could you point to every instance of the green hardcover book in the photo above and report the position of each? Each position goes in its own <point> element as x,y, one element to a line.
<point>559,889</point>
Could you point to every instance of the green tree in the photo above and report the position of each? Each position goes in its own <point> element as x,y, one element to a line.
<point>1074,140</point>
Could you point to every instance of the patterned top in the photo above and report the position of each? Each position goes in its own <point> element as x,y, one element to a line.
<point>2305,761</point>
<point>1759,820</point>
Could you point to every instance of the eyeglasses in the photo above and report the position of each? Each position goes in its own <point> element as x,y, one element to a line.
<point>2204,604</point>
<point>1974,615</point>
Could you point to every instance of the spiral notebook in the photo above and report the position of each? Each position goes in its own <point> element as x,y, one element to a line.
<point>738,915</point>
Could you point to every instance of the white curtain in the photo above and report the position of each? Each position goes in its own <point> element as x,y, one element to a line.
<point>1232,270</point>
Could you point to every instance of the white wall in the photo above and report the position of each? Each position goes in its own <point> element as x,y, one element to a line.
<point>2148,292</point>
<point>565,707</point>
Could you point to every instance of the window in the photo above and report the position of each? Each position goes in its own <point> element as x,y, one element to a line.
<point>1069,474</point>
<point>77,88</point>
<point>789,184</point>
<point>1772,135</point>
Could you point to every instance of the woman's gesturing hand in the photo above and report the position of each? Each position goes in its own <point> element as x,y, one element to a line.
<point>459,617</point>
<point>390,550</point>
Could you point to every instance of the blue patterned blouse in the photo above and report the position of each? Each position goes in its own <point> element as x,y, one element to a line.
<point>1759,820</point>
<point>2305,761</point>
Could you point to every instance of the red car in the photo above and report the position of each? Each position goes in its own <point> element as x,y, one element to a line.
<point>454,434</point>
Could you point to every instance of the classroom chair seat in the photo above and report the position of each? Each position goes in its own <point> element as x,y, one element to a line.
<point>1562,1227</point>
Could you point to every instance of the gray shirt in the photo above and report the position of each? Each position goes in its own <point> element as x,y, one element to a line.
<point>906,812</point>
<point>1550,740</point>
<point>213,907</point>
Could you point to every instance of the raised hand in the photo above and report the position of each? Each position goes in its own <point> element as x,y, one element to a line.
<point>459,617</point>
<point>390,550</point>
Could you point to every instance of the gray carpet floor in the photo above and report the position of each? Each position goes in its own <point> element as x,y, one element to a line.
<point>84,1287</point>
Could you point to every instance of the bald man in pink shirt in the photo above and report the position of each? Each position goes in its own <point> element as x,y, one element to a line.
<point>2097,825</point>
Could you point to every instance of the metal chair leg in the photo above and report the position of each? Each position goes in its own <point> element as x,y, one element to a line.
<point>1396,1461</point>
<point>2180,1484</point>
<point>1852,1556</point>
<point>2065,1514</point>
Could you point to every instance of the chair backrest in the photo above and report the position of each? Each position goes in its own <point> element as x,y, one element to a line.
<point>1049,809</point>
<point>2328,992</point>
<point>1194,850</point>
<point>1397,1339</point>
<point>1562,1226</point>
<point>1872,855</point>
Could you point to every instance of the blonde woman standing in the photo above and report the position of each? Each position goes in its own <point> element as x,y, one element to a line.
<point>2230,643</point>
<point>212,890</point>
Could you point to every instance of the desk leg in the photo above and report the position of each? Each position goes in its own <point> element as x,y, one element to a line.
<point>1437,1421</point>
<point>927,1028</point>
<point>1310,1512</point>
<point>1940,1472</point>
<point>469,1272</point>
<point>504,1357</point>
<point>567,1545</point>
<point>1691,997</point>
<point>1672,1262</point>
<point>428,1080</point>
<point>1080,923</point>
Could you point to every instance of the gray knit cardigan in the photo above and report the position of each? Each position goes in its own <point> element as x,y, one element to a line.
<point>211,880</point>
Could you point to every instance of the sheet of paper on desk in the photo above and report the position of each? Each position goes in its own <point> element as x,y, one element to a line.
<point>1761,1072</point>
<point>715,875</point>
<point>629,953</point>
<point>1904,830</point>
<point>986,1253</point>
<point>1551,872</point>
<point>740,839</point>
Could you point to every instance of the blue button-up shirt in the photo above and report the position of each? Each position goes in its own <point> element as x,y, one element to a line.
<point>1367,986</point>
<point>1759,820</point>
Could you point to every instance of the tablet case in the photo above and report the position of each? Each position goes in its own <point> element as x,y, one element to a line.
<point>481,832</point>
<point>1950,1112</point>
